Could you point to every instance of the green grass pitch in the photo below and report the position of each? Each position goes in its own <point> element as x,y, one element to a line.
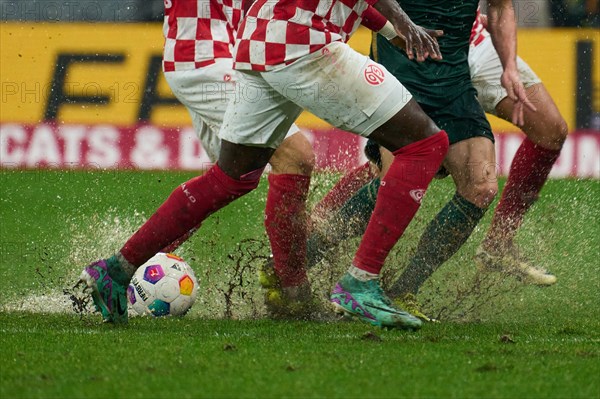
<point>497,338</point>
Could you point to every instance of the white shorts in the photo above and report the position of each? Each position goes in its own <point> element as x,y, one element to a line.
<point>486,70</point>
<point>336,83</point>
<point>206,92</point>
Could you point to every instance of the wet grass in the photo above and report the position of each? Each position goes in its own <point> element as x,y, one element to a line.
<point>514,341</point>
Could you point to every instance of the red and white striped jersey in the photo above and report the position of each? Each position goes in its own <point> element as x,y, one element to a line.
<point>478,32</point>
<point>199,31</point>
<point>276,33</point>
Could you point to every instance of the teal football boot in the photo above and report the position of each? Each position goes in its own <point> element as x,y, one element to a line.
<point>110,297</point>
<point>367,301</point>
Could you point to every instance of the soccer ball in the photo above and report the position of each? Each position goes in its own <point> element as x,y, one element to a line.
<point>165,285</point>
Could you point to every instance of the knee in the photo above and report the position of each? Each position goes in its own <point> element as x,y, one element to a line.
<point>480,194</point>
<point>222,184</point>
<point>294,156</point>
<point>560,133</point>
<point>553,135</point>
<point>304,157</point>
<point>556,134</point>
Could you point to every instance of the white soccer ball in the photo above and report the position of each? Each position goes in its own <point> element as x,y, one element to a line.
<point>165,285</point>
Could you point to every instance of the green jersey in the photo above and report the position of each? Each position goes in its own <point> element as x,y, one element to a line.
<point>434,83</point>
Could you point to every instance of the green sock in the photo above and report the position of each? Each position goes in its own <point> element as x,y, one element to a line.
<point>444,235</point>
<point>119,269</point>
<point>348,222</point>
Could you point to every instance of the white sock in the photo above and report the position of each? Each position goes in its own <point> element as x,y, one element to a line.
<point>362,275</point>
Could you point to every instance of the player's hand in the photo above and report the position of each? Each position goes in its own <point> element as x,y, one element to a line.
<point>511,81</point>
<point>418,41</point>
<point>400,42</point>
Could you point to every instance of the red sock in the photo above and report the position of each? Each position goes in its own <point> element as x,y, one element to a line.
<point>528,173</point>
<point>184,210</point>
<point>285,222</point>
<point>341,192</point>
<point>399,199</point>
<point>178,242</point>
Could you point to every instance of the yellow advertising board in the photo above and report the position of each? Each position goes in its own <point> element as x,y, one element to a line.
<point>111,73</point>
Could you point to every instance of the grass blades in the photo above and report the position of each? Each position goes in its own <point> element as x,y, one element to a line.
<point>498,339</point>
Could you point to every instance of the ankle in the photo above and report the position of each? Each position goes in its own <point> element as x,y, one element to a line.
<point>299,293</point>
<point>292,279</point>
<point>497,244</point>
<point>119,269</point>
<point>361,275</point>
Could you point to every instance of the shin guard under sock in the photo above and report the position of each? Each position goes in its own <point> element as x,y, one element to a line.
<point>285,222</point>
<point>343,190</point>
<point>528,173</point>
<point>350,221</point>
<point>444,235</point>
<point>184,210</point>
<point>399,198</point>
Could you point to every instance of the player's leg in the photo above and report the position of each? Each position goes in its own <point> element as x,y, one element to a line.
<point>349,221</point>
<point>410,172</point>
<point>546,131</point>
<point>287,290</point>
<point>204,93</point>
<point>341,192</point>
<point>236,173</point>
<point>186,207</point>
<point>352,219</point>
<point>292,164</point>
<point>472,165</point>
<point>285,213</point>
<point>285,216</point>
<point>471,161</point>
<point>376,105</point>
<point>346,209</point>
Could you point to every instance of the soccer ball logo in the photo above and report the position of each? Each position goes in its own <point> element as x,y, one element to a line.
<point>165,285</point>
